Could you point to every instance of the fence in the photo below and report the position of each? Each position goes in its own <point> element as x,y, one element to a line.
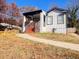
<point>71,30</point>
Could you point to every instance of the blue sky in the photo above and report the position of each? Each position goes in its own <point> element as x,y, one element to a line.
<point>41,4</point>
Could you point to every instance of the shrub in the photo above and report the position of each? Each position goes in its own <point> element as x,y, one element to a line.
<point>77,28</point>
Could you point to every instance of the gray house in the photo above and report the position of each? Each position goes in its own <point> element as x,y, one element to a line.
<point>40,21</point>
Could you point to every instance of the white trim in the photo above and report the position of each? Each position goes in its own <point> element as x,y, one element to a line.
<point>23,25</point>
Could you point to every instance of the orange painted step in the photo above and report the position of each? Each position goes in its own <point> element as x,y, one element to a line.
<point>30,30</point>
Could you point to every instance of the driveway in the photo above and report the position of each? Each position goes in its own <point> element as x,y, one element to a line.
<point>70,46</point>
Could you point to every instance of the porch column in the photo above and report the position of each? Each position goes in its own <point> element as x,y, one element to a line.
<point>23,25</point>
<point>41,22</point>
<point>65,21</point>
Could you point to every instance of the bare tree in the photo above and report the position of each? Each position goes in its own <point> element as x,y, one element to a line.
<point>15,10</point>
<point>28,9</point>
<point>73,12</point>
<point>3,6</point>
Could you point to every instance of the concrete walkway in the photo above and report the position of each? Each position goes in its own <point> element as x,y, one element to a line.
<point>51,42</point>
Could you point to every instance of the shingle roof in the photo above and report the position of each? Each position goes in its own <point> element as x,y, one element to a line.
<point>32,12</point>
<point>57,9</point>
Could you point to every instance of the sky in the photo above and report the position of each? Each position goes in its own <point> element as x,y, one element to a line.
<point>41,4</point>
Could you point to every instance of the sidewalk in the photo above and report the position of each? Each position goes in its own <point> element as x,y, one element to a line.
<point>51,42</point>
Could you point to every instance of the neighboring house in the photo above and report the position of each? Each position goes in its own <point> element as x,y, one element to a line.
<point>9,22</point>
<point>40,21</point>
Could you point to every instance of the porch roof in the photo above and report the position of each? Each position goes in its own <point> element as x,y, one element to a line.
<point>32,12</point>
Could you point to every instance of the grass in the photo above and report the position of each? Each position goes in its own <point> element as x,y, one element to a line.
<point>12,47</point>
<point>58,37</point>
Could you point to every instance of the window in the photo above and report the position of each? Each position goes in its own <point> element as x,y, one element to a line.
<point>50,20</point>
<point>44,20</point>
<point>60,19</point>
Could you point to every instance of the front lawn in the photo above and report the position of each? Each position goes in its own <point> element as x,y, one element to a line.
<point>12,47</point>
<point>58,37</point>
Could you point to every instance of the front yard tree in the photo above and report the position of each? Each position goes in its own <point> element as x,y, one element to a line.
<point>73,11</point>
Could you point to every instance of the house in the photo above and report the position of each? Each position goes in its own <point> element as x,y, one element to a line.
<point>53,20</point>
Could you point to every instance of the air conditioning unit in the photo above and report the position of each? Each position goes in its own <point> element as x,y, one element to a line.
<point>54,29</point>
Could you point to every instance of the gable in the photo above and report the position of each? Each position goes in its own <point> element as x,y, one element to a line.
<point>56,9</point>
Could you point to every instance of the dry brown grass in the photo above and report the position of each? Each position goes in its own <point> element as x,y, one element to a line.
<point>12,47</point>
<point>58,37</point>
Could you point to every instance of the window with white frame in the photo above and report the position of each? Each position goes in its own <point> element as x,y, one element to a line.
<point>49,20</point>
<point>60,19</point>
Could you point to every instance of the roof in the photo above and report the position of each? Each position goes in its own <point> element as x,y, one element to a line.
<point>4,24</point>
<point>57,9</point>
<point>8,25</point>
<point>32,13</point>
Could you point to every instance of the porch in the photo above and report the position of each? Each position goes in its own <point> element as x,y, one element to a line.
<point>31,21</point>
